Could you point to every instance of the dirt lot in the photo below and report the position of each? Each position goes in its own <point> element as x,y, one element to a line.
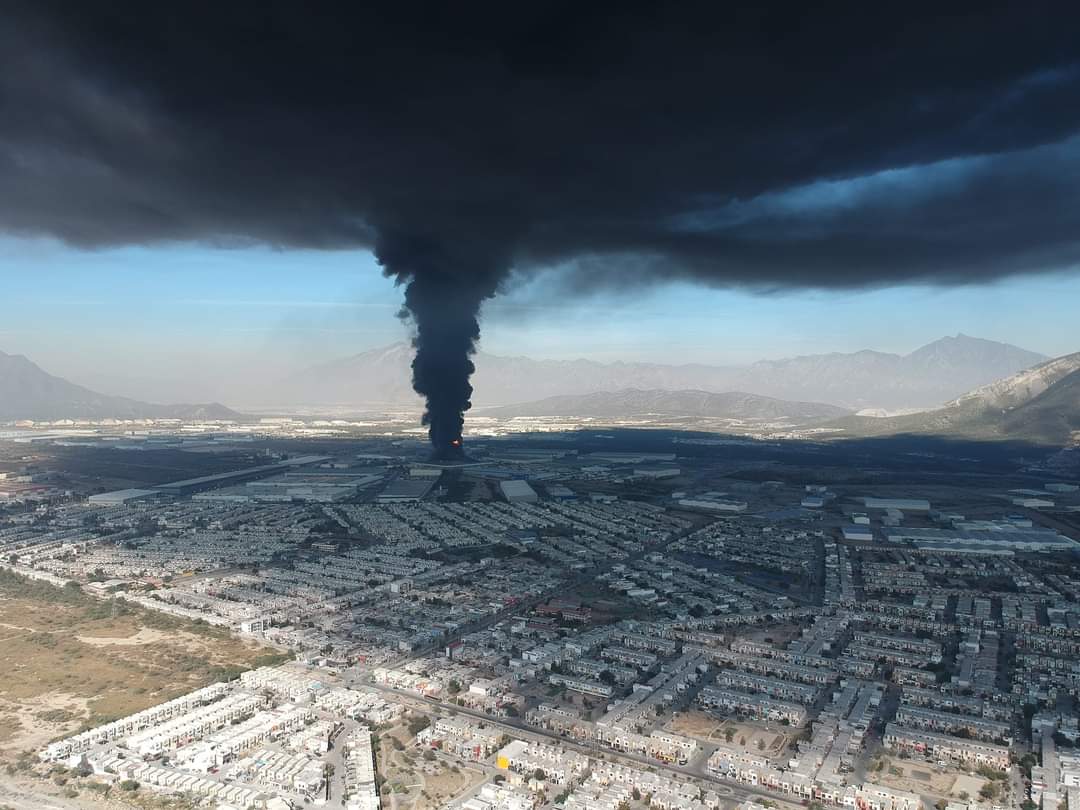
<point>70,660</point>
<point>756,739</point>
<point>413,781</point>
<point>924,777</point>
<point>22,792</point>
<point>779,635</point>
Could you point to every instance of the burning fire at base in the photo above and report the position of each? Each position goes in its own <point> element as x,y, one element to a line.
<point>451,451</point>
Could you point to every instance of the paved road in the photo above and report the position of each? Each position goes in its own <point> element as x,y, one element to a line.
<point>518,728</point>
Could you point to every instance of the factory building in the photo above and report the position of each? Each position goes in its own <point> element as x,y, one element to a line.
<point>903,504</point>
<point>857,532</point>
<point>518,492</point>
<point>657,472</point>
<point>404,490</point>
<point>120,496</point>
<point>189,486</point>
<point>712,505</point>
<point>1001,539</point>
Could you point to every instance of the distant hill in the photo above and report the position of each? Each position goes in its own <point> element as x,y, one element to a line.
<point>633,402</point>
<point>373,378</point>
<point>1041,404</point>
<point>29,392</point>
<point>1053,416</point>
<point>927,377</point>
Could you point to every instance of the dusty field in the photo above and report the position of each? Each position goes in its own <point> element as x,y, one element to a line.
<point>923,777</point>
<point>698,725</point>
<point>769,742</point>
<point>415,782</point>
<point>442,782</point>
<point>22,792</point>
<point>70,660</point>
<point>779,635</point>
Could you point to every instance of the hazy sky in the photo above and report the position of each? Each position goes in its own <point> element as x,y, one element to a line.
<point>176,322</point>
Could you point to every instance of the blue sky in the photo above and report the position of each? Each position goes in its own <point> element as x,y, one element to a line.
<point>166,322</point>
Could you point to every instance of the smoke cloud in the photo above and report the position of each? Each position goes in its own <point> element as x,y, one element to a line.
<point>852,147</point>
<point>444,288</point>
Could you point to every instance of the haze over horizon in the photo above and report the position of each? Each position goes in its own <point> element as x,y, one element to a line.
<point>190,323</point>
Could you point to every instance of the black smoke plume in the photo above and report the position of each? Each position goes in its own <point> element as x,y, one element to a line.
<point>769,145</point>
<point>444,289</point>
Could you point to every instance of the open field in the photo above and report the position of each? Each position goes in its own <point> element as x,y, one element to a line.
<point>413,781</point>
<point>705,727</point>
<point>699,725</point>
<point>70,660</point>
<point>927,778</point>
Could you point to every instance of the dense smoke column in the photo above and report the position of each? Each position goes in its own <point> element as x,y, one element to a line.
<point>444,291</point>
<point>446,333</point>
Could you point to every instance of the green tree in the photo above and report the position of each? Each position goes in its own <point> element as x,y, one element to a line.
<point>989,791</point>
<point>418,724</point>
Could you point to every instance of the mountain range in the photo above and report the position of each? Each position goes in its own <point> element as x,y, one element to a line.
<point>925,378</point>
<point>1039,404</point>
<point>29,392</point>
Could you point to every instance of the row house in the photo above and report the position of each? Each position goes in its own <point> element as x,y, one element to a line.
<point>899,658</point>
<point>168,780</point>
<point>949,723</point>
<point>857,667</point>
<point>126,726</point>
<point>634,658</point>
<point>264,727</point>
<point>192,726</point>
<point>757,771</point>
<point>910,676</point>
<point>462,737</point>
<point>585,687</point>
<point>965,704</point>
<point>757,649</point>
<point>820,676</point>
<point>773,687</point>
<point>755,706</point>
<point>558,766</point>
<point>942,745</point>
<point>661,646</point>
